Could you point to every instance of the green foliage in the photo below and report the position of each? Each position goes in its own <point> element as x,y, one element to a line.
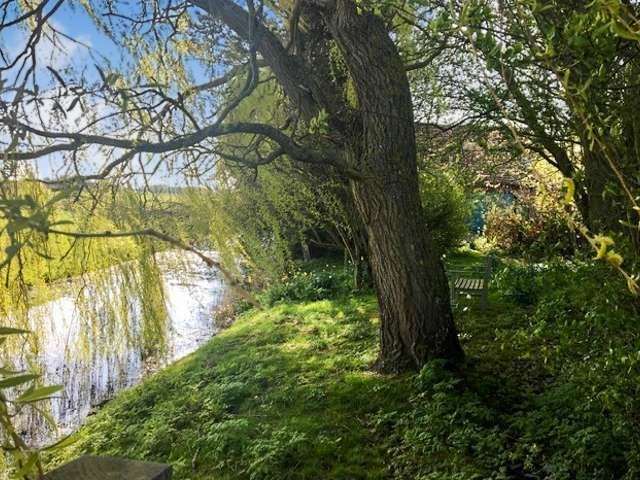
<point>260,220</point>
<point>45,265</point>
<point>549,391</point>
<point>450,422</point>
<point>258,217</point>
<point>530,230</point>
<point>580,119</point>
<point>519,283</point>
<point>283,393</point>
<point>306,283</point>
<point>446,208</point>
<point>18,391</point>
<point>581,421</point>
<point>36,259</point>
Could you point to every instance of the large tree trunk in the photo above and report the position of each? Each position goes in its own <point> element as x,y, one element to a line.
<point>416,323</point>
<point>415,313</point>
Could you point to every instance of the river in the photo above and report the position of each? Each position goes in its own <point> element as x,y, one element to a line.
<point>95,360</point>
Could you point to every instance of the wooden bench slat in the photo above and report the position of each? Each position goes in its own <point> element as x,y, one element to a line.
<point>471,281</point>
<point>469,284</point>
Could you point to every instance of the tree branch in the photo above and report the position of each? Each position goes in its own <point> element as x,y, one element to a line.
<point>149,232</point>
<point>288,69</point>
<point>301,153</point>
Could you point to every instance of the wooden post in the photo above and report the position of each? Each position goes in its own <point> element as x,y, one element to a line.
<point>109,468</point>
<point>306,253</point>
<point>488,273</point>
<point>453,294</point>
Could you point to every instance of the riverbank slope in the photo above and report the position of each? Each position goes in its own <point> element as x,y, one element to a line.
<point>287,393</point>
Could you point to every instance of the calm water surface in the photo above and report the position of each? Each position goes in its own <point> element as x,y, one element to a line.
<point>96,359</point>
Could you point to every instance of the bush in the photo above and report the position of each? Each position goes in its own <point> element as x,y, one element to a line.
<point>566,289</point>
<point>535,232</point>
<point>310,284</point>
<point>446,208</point>
<point>581,420</point>
<point>520,283</point>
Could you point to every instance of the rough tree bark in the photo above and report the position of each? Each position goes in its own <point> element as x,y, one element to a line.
<point>416,319</point>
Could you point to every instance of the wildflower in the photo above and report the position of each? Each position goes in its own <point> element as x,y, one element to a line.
<point>602,243</point>
<point>614,258</point>
<point>571,190</point>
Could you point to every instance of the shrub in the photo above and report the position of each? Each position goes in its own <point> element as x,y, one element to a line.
<point>446,208</point>
<point>310,284</point>
<point>519,283</point>
<point>534,232</point>
<point>581,420</point>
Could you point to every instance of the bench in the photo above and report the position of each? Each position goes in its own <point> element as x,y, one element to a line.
<point>472,281</point>
<point>108,468</point>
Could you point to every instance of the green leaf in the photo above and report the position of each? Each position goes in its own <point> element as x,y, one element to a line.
<point>17,380</point>
<point>38,394</point>
<point>46,415</point>
<point>6,371</point>
<point>29,466</point>
<point>62,443</point>
<point>624,32</point>
<point>12,331</point>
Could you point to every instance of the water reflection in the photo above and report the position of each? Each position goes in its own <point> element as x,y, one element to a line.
<point>96,359</point>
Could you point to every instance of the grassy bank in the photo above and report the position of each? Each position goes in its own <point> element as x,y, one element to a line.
<point>549,390</point>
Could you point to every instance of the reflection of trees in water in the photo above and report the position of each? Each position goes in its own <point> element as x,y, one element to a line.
<point>96,357</point>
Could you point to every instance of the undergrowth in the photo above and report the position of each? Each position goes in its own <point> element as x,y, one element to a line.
<point>549,390</point>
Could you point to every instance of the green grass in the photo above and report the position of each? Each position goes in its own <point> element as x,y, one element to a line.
<point>286,388</point>
<point>548,389</point>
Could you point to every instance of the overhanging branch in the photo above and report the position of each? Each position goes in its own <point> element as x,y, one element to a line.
<point>288,69</point>
<point>298,152</point>
<point>149,232</point>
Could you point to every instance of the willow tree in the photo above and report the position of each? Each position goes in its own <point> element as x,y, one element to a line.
<point>349,110</point>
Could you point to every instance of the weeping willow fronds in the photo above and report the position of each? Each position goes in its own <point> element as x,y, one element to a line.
<point>116,282</point>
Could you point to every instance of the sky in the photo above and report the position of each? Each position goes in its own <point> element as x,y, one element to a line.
<point>93,47</point>
<point>73,21</point>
